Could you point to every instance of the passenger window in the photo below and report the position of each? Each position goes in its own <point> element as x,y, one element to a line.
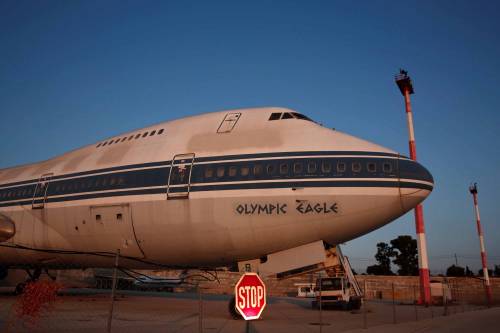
<point>297,168</point>
<point>245,170</point>
<point>138,136</point>
<point>326,167</point>
<point>340,167</point>
<point>209,172</point>
<point>284,169</point>
<point>145,134</point>
<point>152,133</point>
<point>372,167</point>
<point>270,169</point>
<point>257,170</point>
<point>275,116</point>
<point>105,143</point>
<point>387,167</point>
<point>311,167</point>
<point>125,138</point>
<point>287,115</point>
<point>232,171</point>
<point>130,137</point>
<point>356,167</point>
<point>160,131</point>
<point>99,145</point>
<point>220,172</point>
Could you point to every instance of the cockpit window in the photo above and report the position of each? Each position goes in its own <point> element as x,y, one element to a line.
<point>275,116</point>
<point>288,115</point>
<point>301,116</point>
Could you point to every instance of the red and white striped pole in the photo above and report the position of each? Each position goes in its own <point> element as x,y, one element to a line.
<point>405,85</point>
<point>487,286</point>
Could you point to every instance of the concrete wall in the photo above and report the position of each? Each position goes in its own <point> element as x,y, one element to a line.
<point>406,288</point>
<point>470,290</point>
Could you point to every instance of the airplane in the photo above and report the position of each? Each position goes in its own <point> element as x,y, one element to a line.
<point>202,191</point>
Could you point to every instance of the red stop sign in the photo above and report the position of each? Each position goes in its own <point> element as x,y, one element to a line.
<point>250,296</point>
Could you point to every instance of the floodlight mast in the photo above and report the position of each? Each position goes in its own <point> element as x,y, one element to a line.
<point>484,262</point>
<point>405,85</point>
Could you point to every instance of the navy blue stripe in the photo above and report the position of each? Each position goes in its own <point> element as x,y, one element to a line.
<point>208,159</point>
<point>90,172</point>
<point>297,184</point>
<point>239,186</point>
<point>283,170</point>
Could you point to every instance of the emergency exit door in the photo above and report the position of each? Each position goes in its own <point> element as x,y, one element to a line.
<point>179,178</point>
<point>41,190</point>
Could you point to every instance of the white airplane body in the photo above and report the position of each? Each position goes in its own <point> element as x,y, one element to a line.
<point>203,191</point>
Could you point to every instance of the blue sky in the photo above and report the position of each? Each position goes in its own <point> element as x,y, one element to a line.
<point>75,72</point>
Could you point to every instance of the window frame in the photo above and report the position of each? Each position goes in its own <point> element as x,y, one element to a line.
<point>220,171</point>
<point>258,167</point>
<point>341,167</point>
<point>356,167</point>
<point>325,163</point>
<point>296,166</point>
<point>384,169</point>
<point>247,170</point>
<point>232,171</point>
<point>312,165</point>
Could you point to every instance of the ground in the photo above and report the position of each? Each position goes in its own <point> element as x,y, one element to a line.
<point>84,310</point>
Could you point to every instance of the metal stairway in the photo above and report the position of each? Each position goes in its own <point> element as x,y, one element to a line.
<point>344,261</point>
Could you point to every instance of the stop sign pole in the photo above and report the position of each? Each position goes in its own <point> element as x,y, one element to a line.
<point>250,296</point>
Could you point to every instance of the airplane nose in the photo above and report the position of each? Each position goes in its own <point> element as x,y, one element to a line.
<point>415,183</point>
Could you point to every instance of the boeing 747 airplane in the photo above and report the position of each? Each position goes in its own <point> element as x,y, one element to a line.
<point>203,191</point>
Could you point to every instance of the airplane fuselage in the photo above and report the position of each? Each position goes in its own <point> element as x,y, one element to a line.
<point>204,191</point>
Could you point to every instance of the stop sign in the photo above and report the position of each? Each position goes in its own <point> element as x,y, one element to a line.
<point>250,296</point>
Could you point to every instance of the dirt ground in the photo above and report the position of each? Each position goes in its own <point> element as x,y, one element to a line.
<point>84,310</point>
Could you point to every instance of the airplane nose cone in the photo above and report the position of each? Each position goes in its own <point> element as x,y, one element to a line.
<point>415,183</point>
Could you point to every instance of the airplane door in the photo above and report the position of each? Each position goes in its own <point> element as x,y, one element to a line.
<point>179,178</point>
<point>114,230</point>
<point>229,122</point>
<point>40,194</point>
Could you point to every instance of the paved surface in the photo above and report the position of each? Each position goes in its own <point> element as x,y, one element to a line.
<point>484,321</point>
<point>87,311</point>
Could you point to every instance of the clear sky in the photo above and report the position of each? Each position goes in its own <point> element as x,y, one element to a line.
<point>75,72</point>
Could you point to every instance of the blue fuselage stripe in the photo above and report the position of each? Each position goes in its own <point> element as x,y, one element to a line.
<point>226,175</point>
